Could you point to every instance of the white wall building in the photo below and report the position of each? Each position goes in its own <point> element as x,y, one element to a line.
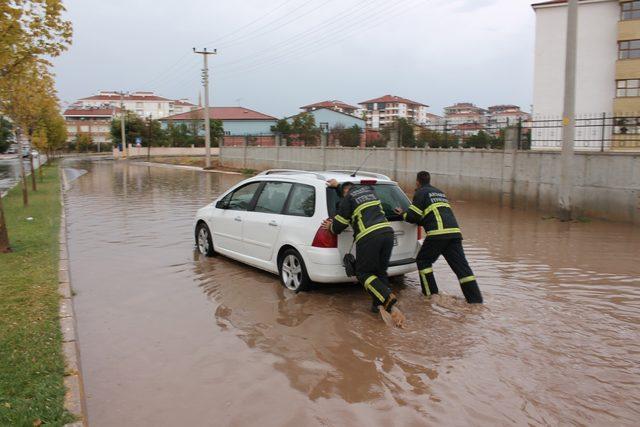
<point>463,113</point>
<point>597,53</point>
<point>383,111</point>
<point>144,104</point>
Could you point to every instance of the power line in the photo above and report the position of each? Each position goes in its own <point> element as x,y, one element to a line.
<point>299,37</point>
<point>321,43</point>
<point>258,33</point>
<point>167,72</point>
<point>250,23</point>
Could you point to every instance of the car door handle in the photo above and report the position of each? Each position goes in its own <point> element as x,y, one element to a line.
<point>273,223</point>
<point>239,219</point>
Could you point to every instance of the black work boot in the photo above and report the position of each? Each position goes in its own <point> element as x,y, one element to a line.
<point>471,292</point>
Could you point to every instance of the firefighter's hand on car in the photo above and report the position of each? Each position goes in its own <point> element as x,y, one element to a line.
<point>398,211</point>
<point>326,224</point>
<point>333,183</point>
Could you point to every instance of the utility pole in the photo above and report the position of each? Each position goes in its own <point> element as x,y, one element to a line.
<point>123,136</point>
<point>205,83</point>
<point>569,114</point>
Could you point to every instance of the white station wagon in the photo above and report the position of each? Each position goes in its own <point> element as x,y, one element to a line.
<point>273,221</point>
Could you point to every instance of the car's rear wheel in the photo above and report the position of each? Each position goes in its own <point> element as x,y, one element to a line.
<point>203,240</point>
<point>293,272</point>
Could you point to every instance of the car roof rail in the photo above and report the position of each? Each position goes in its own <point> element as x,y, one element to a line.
<point>363,173</point>
<point>292,172</point>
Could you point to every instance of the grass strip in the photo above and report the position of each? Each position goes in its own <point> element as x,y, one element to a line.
<point>31,361</point>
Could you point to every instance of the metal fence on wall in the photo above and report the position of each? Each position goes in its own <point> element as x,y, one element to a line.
<point>593,132</point>
<point>598,132</point>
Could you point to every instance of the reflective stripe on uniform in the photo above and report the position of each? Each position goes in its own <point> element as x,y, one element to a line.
<point>436,213</point>
<point>363,206</point>
<point>371,229</point>
<point>425,281</point>
<point>443,231</point>
<point>341,219</point>
<point>467,279</point>
<point>434,207</point>
<point>416,210</point>
<point>367,285</point>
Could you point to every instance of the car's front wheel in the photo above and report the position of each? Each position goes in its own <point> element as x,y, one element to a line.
<point>293,272</point>
<point>203,239</point>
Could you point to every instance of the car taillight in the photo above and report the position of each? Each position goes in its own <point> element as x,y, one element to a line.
<point>325,239</point>
<point>419,233</point>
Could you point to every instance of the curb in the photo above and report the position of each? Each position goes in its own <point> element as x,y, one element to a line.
<point>185,167</point>
<point>74,400</point>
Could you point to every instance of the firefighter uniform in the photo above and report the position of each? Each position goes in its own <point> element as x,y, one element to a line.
<point>431,210</point>
<point>373,237</point>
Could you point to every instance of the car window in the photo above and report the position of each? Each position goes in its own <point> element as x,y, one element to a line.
<point>302,201</point>
<point>241,198</point>
<point>273,197</point>
<point>390,195</point>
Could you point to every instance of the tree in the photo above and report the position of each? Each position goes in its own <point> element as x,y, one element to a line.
<point>282,128</point>
<point>480,140</point>
<point>434,139</point>
<point>56,132</point>
<point>30,29</point>
<point>4,234</point>
<point>406,135</point>
<point>134,127</point>
<point>179,136</point>
<point>216,132</point>
<point>83,142</point>
<point>304,126</point>
<point>348,137</point>
<point>6,130</point>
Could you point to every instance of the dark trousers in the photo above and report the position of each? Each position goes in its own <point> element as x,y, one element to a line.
<point>453,252</point>
<point>372,262</point>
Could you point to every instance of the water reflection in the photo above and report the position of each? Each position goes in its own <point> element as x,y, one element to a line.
<point>169,337</point>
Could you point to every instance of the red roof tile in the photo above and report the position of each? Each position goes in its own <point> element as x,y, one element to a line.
<point>222,113</point>
<point>392,98</point>
<point>330,104</point>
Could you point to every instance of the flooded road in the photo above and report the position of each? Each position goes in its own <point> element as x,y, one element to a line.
<point>168,337</point>
<point>10,171</point>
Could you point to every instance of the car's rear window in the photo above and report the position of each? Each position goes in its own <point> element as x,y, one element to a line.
<point>390,195</point>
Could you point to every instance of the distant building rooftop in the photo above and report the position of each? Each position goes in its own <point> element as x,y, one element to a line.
<point>330,104</point>
<point>392,98</point>
<point>222,113</point>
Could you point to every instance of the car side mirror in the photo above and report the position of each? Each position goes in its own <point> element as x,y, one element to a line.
<point>221,204</point>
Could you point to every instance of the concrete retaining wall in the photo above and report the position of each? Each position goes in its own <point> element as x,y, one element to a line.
<point>166,151</point>
<point>606,185</point>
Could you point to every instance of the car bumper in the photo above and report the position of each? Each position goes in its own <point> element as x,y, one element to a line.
<point>325,266</point>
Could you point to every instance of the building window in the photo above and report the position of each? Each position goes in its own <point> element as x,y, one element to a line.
<point>630,10</point>
<point>629,49</point>
<point>627,126</point>
<point>138,104</point>
<point>628,88</point>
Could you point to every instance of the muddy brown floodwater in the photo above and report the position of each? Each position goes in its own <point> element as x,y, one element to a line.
<point>168,337</point>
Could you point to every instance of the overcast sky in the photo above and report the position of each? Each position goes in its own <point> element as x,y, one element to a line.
<point>277,55</point>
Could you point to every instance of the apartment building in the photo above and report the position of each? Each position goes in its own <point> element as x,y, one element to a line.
<point>608,78</point>
<point>144,104</point>
<point>501,116</point>
<point>385,110</point>
<point>92,121</point>
<point>464,113</point>
<point>339,106</point>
